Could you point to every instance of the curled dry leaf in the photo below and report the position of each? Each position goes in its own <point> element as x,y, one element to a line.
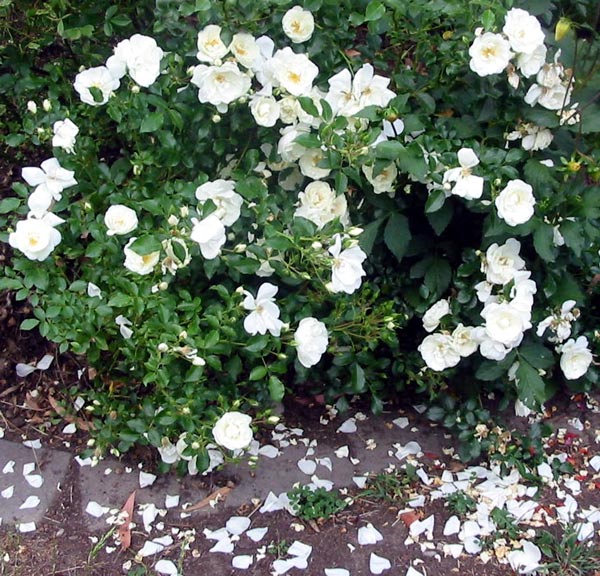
<point>124,530</point>
<point>410,516</point>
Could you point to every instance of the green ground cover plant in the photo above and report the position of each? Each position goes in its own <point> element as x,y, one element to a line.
<point>219,203</point>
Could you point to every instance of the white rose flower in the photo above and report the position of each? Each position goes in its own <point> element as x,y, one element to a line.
<point>298,24</point>
<point>173,261</point>
<point>490,54</point>
<point>311,338</point>
<point>515,202</point>
<point>233,431</point>
<point>245,49</point>
<point>489,348</point>
<point>309,164</point>
<point>168,451</point>
<point>36,237</point>
<point>530,64</point>
<point>293,72</point>
<point>138,55</point>
<point>99,77</point>
<point>523,31</point>
<point>347,270</point>
<point>439,352</point>
<point>502,262</point>
<point>319,204</point>
<point>120,220</point>
<point>537,139</point>
<point>287,147</point>
<point>504,323</point>
<point>65,133</point>
<point>432,317</point>
<point>220,85</point>
<point>209,233</point>
<point>210,46</point>
<point>466,185</point>
<point>289,109</point>
<point>384,181</point>
<point>522,291</point>
<point>50,178</point>
<point>227,201</point>
<point>575,358</point>
<point>265,110</point>
<point>142,265</point>
<point>463,339</point>
<point>264,315</point>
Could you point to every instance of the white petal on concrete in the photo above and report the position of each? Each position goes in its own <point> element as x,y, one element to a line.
<point>326,462</point>
<point>149,514</point>
<point>69,429</point>
<point>269,451</point>
<point>171,501</point>
<point>369,535</point>
<point>321,483</point>
<point>35,444</point>
<point>26,526</point>
<point>454,550</point>
<point>237,525</point>
<point>378,564</point>
<point>595,462</point>
<point>348,427</point>
<point>308,467</point>
<point>242,562</point>
<point>30,502</point>
<point>336,572</point>
<point>24,370</point>
<point>401,422</point>
<point>224,545</point>
<point>412,572</point>
<point>8,492</point>
<point>219,534</point>
<point>452,526</point>
<point>83,461</point>
<point>584,530</point>
<point>343,452</point>
<point>360,481</point>
<point>281,566</point>
<point>96,510</point>
<point>272,504</point>
<point>166,567</point>
<point>28,468</point>
<point>45,362</point>
<point>150,548</point>
<point>9,467</point>
<point>257,534</point>
<point>34,480</point>
<point>146,479</point>
<point>299,549</point>
<point>411,448</point>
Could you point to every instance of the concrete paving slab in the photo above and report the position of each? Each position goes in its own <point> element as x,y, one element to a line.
<point>30,480</point>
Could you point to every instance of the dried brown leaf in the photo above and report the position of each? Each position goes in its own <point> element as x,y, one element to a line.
<point>124,530</point>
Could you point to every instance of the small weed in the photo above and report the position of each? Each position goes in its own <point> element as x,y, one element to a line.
<point>569,556</point>
<point>315,504</point>
<point>460,503</point>
<point>278,548</point>
<point>389,486</point>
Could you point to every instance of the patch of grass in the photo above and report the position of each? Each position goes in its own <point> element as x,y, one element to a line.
<point>569,556</point>
<point>390,486</point>
<point>315,504</point>
<point>460,503</point>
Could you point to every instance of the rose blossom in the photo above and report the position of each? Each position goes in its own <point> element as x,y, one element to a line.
<point>138,55</point>
<point>120,219</point>
<point>50,178</point>
<point>523,30</point>
<point>464,342</point>
<point>466,185</point>
<point>99,77</point>
<point>311,339</point>
<point>319,204</point>
<point>502,262</point>
<point>293,72</point>
<point>245,49</point>
<point>490,54</point>
<point>505,323</point>
<point>220,85</point>
<point>347,270</point>
<point>137,263</point>
<point>265,110</point>
<point>264,315</point>
<point>575,358</point>
<point>65,133</point>
<point>36,237</point>
<point>384,181</point>
<point>210,46</point>
<point>232,431</point>
<point>432,317</point>
<point>209,233</point>
<point>298,24</point>
<point>309,164</point>
<point>227,201</point>
<point>439,352</point>
<point>515,202</point>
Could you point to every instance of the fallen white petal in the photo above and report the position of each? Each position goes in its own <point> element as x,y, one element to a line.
<point>171,501</point>
<point>412,572</point>
<point>237,525</point>
<point>149,514</point>
<point>417,501</point>
<point>9,467</point>
<point>584,530</point>
<point>308,467</point>
<point>452,526</point>
<point>369,535</point>
<point>299,549</point>
<point>35,444</point>
<point>69,429</point>
<point>150,548</point>
<point>377,564</point>
<point>96,510</point>
<point>146,479</point>
<point>34,480</point>
<point>326,462</point>
<point>282,566</point>
<point>269,451</point>
<point>224,545</point>
<point>595,462</point>
<point>419,527</point>
<point>242,562</point>
<point>321,483</point>
<point>401,422</point>
<point>28,468</point>
<point>343,452</point>
<point>272,503</point>
<point>24,370</point>
<point>166,567</point>
<point>526,560</point>
<point>410,449</point>
<point>454,550</point>
<point>30,502</point>
<point>26,526</point>
<point>219,534</point>
<point>336,572</point>
<point>257,534</point>
<point>8,492</point>
<point>45,362</point>
<point>360,481</point>
<point>348,427</point>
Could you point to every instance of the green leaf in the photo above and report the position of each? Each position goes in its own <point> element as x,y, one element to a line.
<point>145,245</point>
<point>9,205</point>
<point>152,122</point>
<point>357,382</point>
<point>531,388</point>
<point>257,343</point>
<point>308,106</point>
<point>411,160</point>
<point>440,219</point>
<point>258,373</point>
<point>276,389</point>
<point>29,323</point>
<point>573,234</point>
<point>120,300</point>
<point>308,140</point>
<point>536,354</point>
<point>10,284</point>
<point>375,11</point>
<point>389,150</point>
<point>487,19</point>
<point>369,235</point>
<point>438,275</point>
<point>435,201</point>
<point>543,241</point>
<point>397,235</point>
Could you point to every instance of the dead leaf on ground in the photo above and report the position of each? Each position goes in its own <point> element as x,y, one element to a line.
<point>216,495</point>
<point>124,530</point>
<point>79,422</point>
<point>411,516</point>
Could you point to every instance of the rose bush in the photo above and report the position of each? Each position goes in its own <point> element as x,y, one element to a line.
<point>395,200</point>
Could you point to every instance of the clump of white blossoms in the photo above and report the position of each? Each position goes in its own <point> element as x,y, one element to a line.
<point>533,137</point>
<point>576,358</point>
<point>466,184</point>
<point>233,431</point>
<point>298,24</point>
<point>560,322</point>
<point>139,56</point>
<point>319,204</point>
<point>222,193</point>
<point>264,313</point>
<point>515,203</point>
<point>311,339</point>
